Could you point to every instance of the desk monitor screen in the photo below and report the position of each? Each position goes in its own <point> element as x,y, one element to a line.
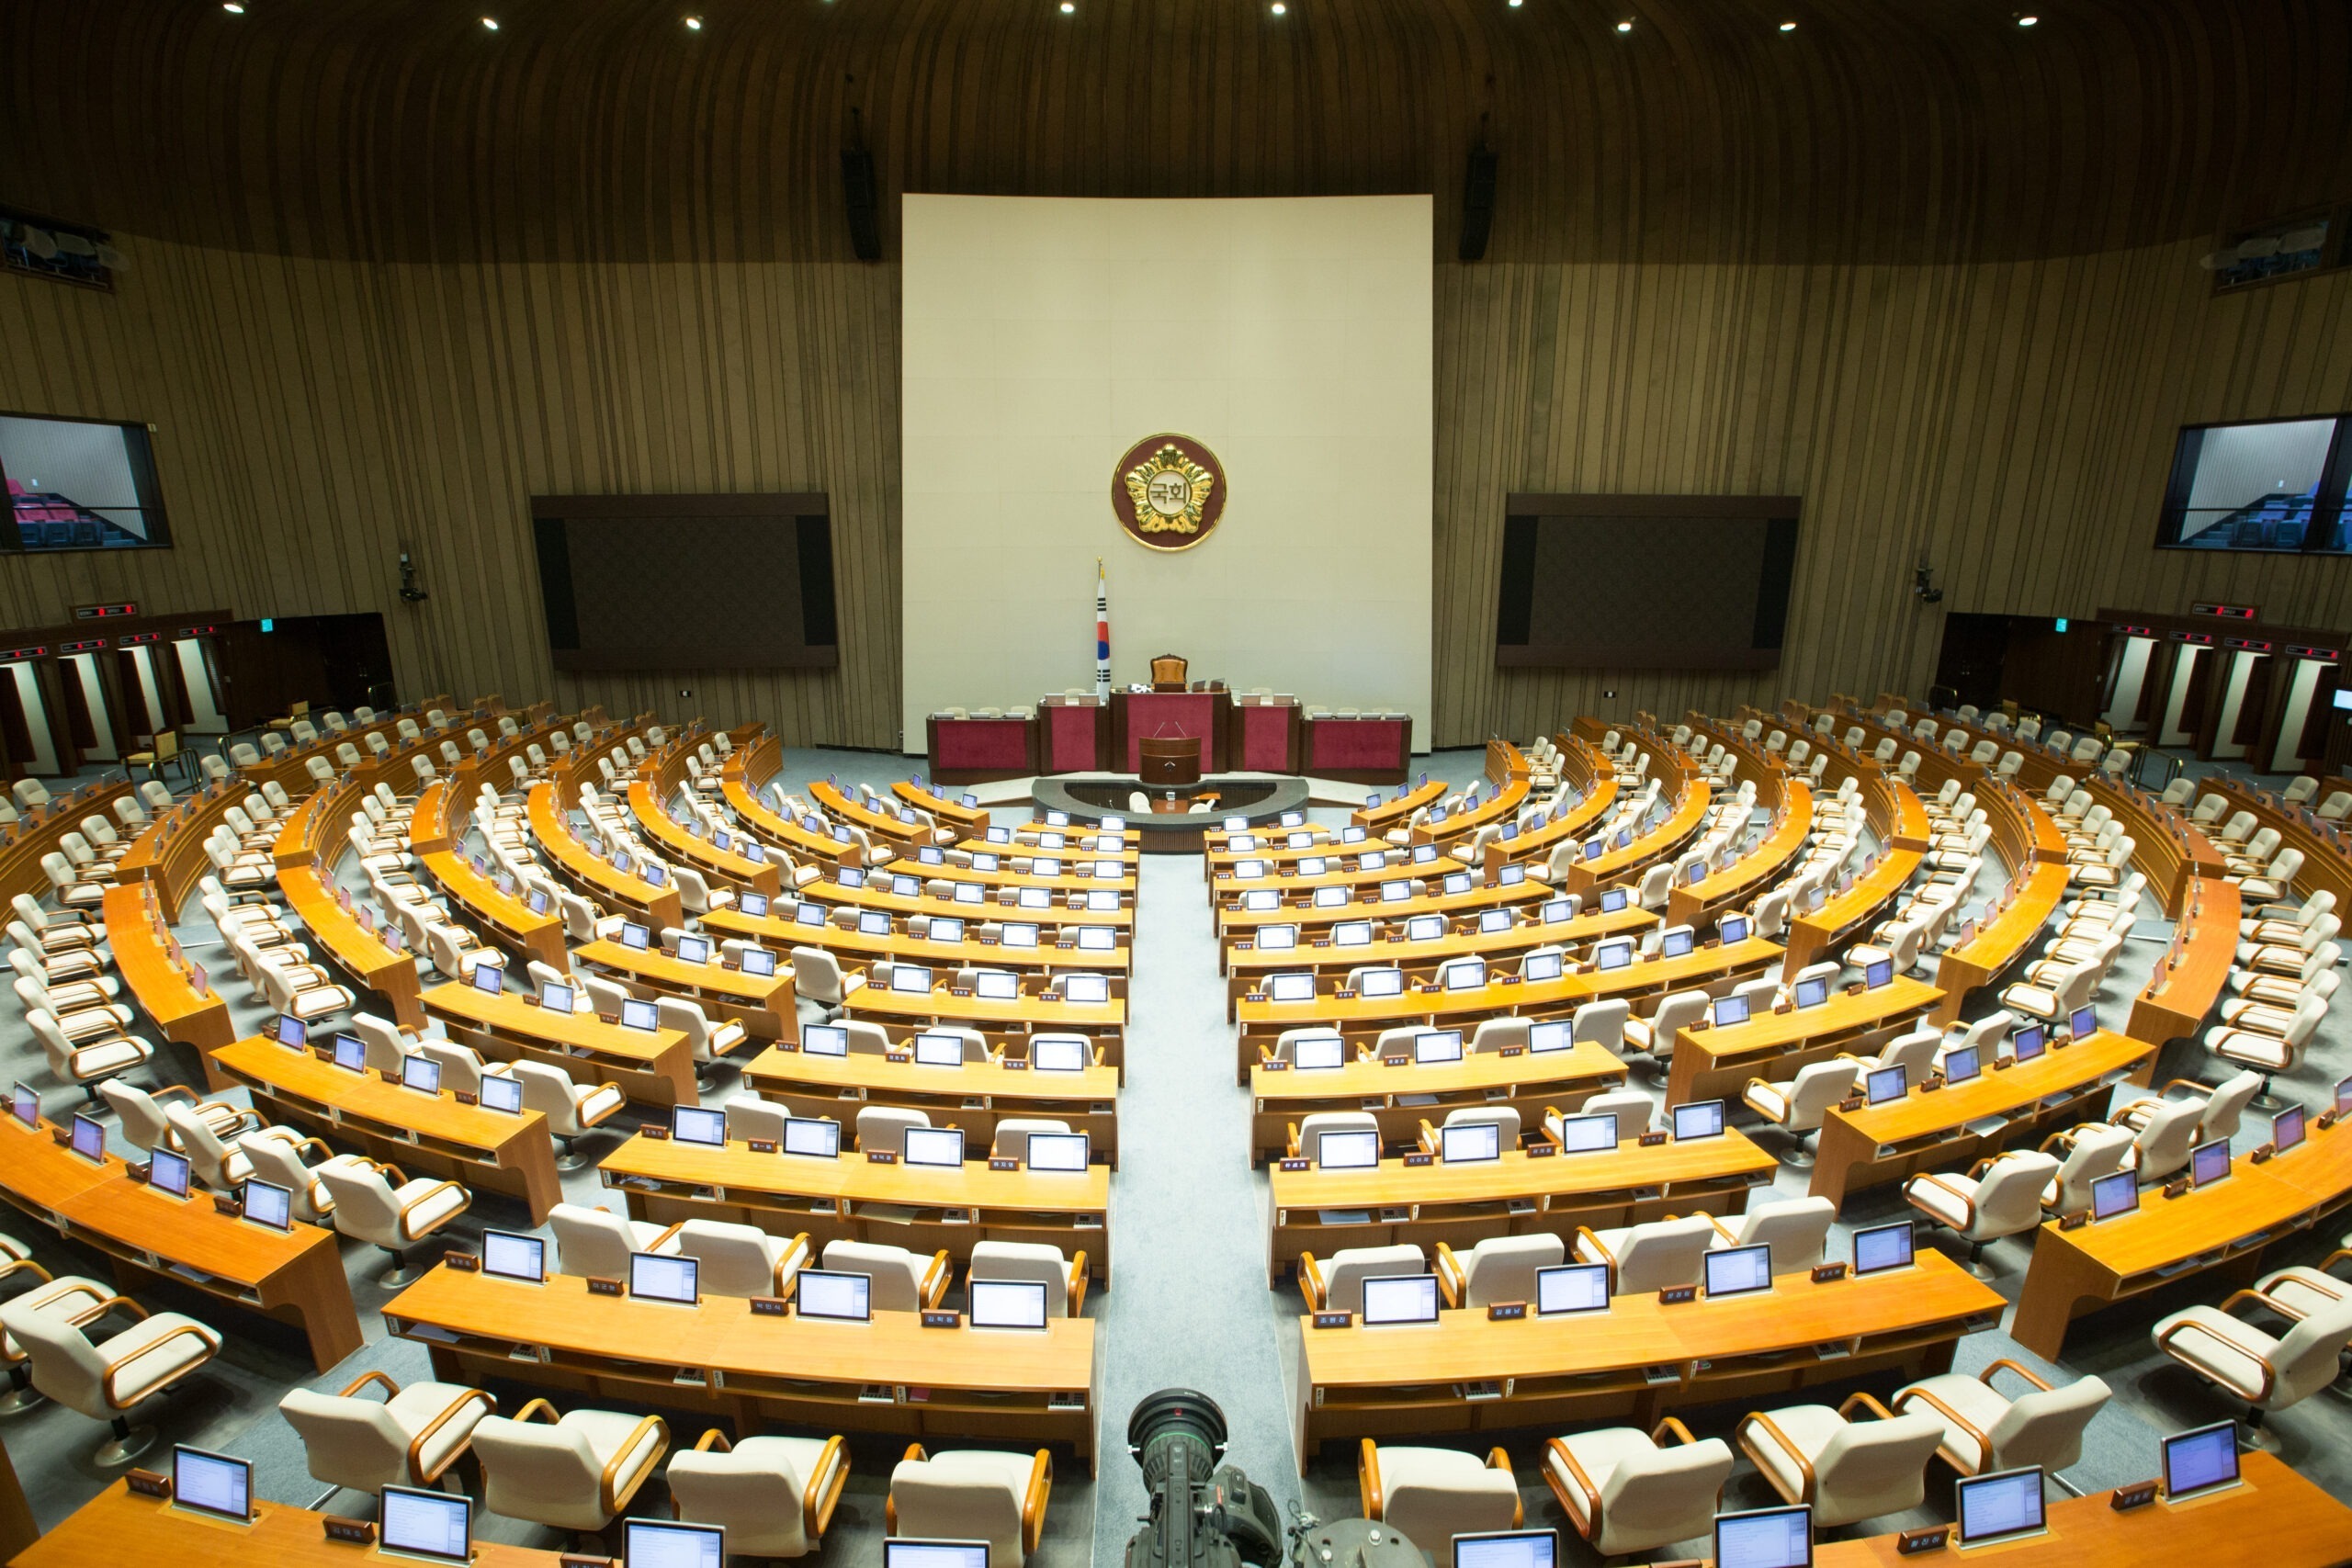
<point>1346,933</point>
<point>1612,900</point>
<point>1237,825</point>
<point>1035,899</point>
<point>808,914</point>
<point>510,1256</point>
<point>694,950</point>
<point>824,1040</point>
<point>996,986</point>
<point>1296,986</point>
<point>266,1204</point>
<point>2343,1088</point>
<point>1395,1299</point>
<point>1373,860</point>
<point>292,1030</point>
<point>637,1013</point>
<point>555,997</point>
<point>1088,989</point>
<point>656,875</point>
<point>1319,1053</point>
<point>1098,939</point>
<point>1437,1045</point>
<point>1550,1035</point>
<point>939,1050</point>
<point>911,979</point>
<point>657,1544</point>
<point>635,937</point>
<point>2203,1459</point>
<point>503,1091</point>
<point>944,928</point>
<point>1018,933</point>
<point>2000,1506</point>
<point>2114,1194</point>
<point>1492,921</point>
<point>351,1053</point>
<point>971,892</point>
<point>1571,1288</point>
<point>813,1138</point>
<point>850,876</point>
<point>1424,855</point>
<point>1381,983</point>
<point>1059,1152</point>
<point>1812,993</point>
<point>1257,900</point>
<point>942,1147</point>
<point>1466,975</point>
<point>1730,1010</point>
<point>1248,870</point>
<point>417,1523</point>
<point>1556,911</point>
<point>873,923</point>
<point>1539,966</point>
<point>212,1483</point>
<point>1395,891</point>
<point>1765,1538</point>
<point>1101,900</point>
<point>907,1553</point>
<point>1675,945</point>
<point>1456,882</point>
<point>2084,1024</point>
<point>1058,1054</point>
<point>758,963</point>
<point>1353,1149</point>
<point>2209,1162</point>
<point>2028,1042</point>
<point>1888,1083</point>
<point>1470,1143</point>
<point>693,1125</point>
<point>1732,929</point>
<point>421,1073</point>
<point>1613,954</point>
<point>1000,835</point>
<point>89,1138</point>
<point>167,1172</point>
<point>1695,872</point>
<point>489,980</point>
<point>931,854</point>
<point>1699,1119</point>
<point>2287,1129</point>
<point>1291,819</point>
<point>1880,972</point>
<point>1325,898</point>
<point>1739,1271</point>
<point>1007,1304</point>
<point>1507,1549</point>
<point>1881,1247</point>
<point>833,1295</point>
<point>655,1278</point>
<point>1962,1064</point>
<point>903,887</point>
<point>24,1104</point>
<point>1595,848</point>
<point>754,903</point>
<point>1424,927</point>
<point>1588,1135</point>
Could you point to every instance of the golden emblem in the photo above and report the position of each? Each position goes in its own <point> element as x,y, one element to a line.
<point>1174,491</point>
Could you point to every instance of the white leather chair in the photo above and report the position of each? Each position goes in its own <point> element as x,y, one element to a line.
<point>1064,1278</point>
<point>903,1280</point>
<point>570,1473</point>
<point>1635,1111</point>
<point>1654,1034</point>
<point>1645,1258</point>
<point>1799,1106</point>
<point>1796,1229</point>
<point>742,1260</point>
<point>773,1496</point>
<point>2268,1371</point>
<point>705,1042</point>
<point>2220,1107</point>
<point>218,1165</point>
<point>406,1440</point>
<point>1011,1139</point>
<point>884,1127</point>
<point>2163,1131</point>
<point>1985,1432</point>
<point>2089,1152</point>
<point>749,1117</point>
<point>2002,1196</point>
<point>573,1109</point>
<point>368,1208</point>
<point>1843,1468</point>
<point>106,1380</point>
<point>1627,1492</point>
<point>1336,1284</point>
<point>279,1162</point>
<point>70,1298</point>
<point>144,1123</point>
<point>1499,1268</point>
<point>1431,1496</point>
<point>972,1494</point>
<point>596,1243</point>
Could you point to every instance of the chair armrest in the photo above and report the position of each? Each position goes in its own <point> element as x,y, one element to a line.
<point>1591,1511</point>
<point>1987,1375</point>
<point>176,1091</point>
<point>1716,1221</point>
<point>425,1477</point>
<point>28,1266</point>
<point>1033,1502</point>
<point>714,1435</point>
<point>2064,1140</point>
<point>1903,1403</point>
<point>606,1499</point>
<point>1310,1284</point>
<point>392,1389</point>
<point>2267,1303</point>
<point>1671,1427</point>
<point>1756,1420</point>
<point>935,1279</point>
<point>112,1302</point>
<point>1868,1402</point>
<point>1291,1145</point>
<point>1078,1283</point>
<point>1968,1200</point>
<point>202,1336</point>
<point>428,1196</point>
<point>2269,1374</point>
<point>390,1173</point>
<point>827,1477</point>
<point>1452,1280</point>
<point>1368,1478</point>
<point>1584,1233</point>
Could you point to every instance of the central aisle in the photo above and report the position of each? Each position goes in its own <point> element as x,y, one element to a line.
<point>1188,1305</point>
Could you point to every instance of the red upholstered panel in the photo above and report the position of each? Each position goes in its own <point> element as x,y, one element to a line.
<point>999,745</point>
<point>1356,744</point>
<point>1170,714</point>
<point>1265,738</point>
<point>1069,738</point>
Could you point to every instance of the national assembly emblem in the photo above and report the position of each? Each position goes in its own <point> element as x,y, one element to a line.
<point>1168,492</point>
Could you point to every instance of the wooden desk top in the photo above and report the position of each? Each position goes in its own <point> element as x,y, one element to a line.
<point>1058,913</point>
<point>165,991</point>
<point>358,951</point>
<point>729,869</point>
<point>22,845</point>
<point>553,832</point>
<point>1920,1115</point>
<point>1613,867</point>
<point>300,1075</point>
<point>1243,956</point>
<point>778,832</point>
<point>510,1015</point>
<point>1690,901</point>
<point>2163,1231</point>
<point>970,820</point>
<point>1028,1012</point>
<point>1766,1034</point>
<point>1636,1331</point>
<point>169,851</point>
<point>2326,861</point>
<point>1396,807</point>
<point>1481,895</point>
<point>675,974</point>
<point>1516,1175</point>
<point>1998,941</point>
<point>1498,803</point>
<point>115,1527</point>
<point>853,1180</point>
<point>1488,1070</point>
<point>2190,980</point>
<point>783,936</point>
<point>455,875</point>
<point>720,1334</point>
<point>834,801</point>
<point>879,1079</point>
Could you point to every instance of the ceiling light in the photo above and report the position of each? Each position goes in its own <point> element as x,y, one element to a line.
<point>491,22</point>
<point>1626,25</point>
<point>233,7</point>
<point>694,24</point>
<point>1788,27</point>
<point>1068,8</point>
<point>1280,10</point>
<point>2026,20</point>
<point>1515,5</point>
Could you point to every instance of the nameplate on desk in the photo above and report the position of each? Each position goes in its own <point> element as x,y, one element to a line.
<point>1853,1102</point>
<point>147,1483</point>
<point>1509,1051</point>
<point>1934,1537</point>
<point>1254,996</point>
<point>224,1204</point>
<point>2176,1187</point>
<point>582,1559</point>
<point>1014,1063</point>
<point>1418,1158</point>
<point>600,1286</point>
<point>658,1134</point>
<point>762,1146</point>
<point>1429,989</point>
<point>881,1156</point>
<point>388,1075</point>
<point>1649,1140</point>
<point>1674,1295</point>
<point>1826,1273</point>
<point>1930,1084</point>
<point>1297,1162</point>
<point>1506,1312</point>
<point>958,991</point>
<point>530,1001</point>
<point>2073,1222</point>
<point>139,1172</point>
<point>941,1319</point>
<point>467,1096</point>
<point>2003,1063</point>
<point>462,1262</point>
<point>61,1136</point>
<point>1395,1061</point>
<point>898,1056</point>
<point>2264,1155</point>
<point>2139,1495</point>
<point>351,1532</point>
<point>2327,1120</point>
<point>1334,1319</point>
<point>1003,1162</point>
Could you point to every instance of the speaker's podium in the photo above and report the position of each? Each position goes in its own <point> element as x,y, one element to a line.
<point>1169,759</point>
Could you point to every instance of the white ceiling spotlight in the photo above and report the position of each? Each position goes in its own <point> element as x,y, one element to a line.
<point>1626,25</point>
<point>491,23</point>
<point>694,24</point>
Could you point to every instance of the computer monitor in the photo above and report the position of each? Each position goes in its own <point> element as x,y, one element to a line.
<point>1098,939</point>
<point>659,875</point>
<point>998,835</point>
<point>511,1256</point>
<point>1349,1149</point>
<point>1373,860</point>
<point>930,854</point>
<point>1696,871</point>
<point>1588,1135</point>
<point>1064,1152</point>
<point>908,1553</point>
<point>1466,975</point>
<point>659,1543</point>
<point>350,1054</point>
<point>657,1277</point>
<point>1424,855</point>
<point>167,1172</point>
<point>437,1525</point>
<point>1699,1119</point>
<point>635,937</point>
<point>1879,972</point>
<point>945,927</point>
<point>939,1147</point>
<point>1675,945</point>
<point>1322,897</point>
<point>824,1040</point>
<point>812,1138</point>
<point>1732,929</point>
<point>1739,1271</point>
<point>1887,1083</point>
<point>808,914</point>
<point>2000,1506</point>
<point>1878,1248</point>
<point>1507,1549</point>
<point>1395,892</point>
<point>1765,1538</point>
<point>1470,1143</point>
<point>1962,1064</point>
<point>207,1483</point>
<point>2028,1042</point>
<point>1346,933</point>
<point>2287,1129</point>
<point>503,1091</point>
<point>1248,869</point>
<point>2083,1025</point>
<point>421,1073</point>
<point>1553,1035</point>
<point>1512,876</point>
<point>1392,1300</point>
<point>752,903</point>
<point>1454,882</point>
<point>637,1013</point>
<point>935,1050</point>
<point>996,986</point>
<point>973,892</point>
<point>1292,986</point>
<point>1007,1304</point>
<point>873,923</point>
<point>1730,1010</point>
<point>89,1138</point>
<point>2116,1193</point>
<point>1058,1054</point>
<point>909,979</point>
<point>488,978</point>
<point>1555,910</point>
<point>1612,900</point>
<point>1612,954</point>
<point>1379,983</point>
<point>292,1030</point>
<point>1018,933</point>
<point>1435,1046</point>
<point>2344,1096</point>
<point>1812,993</point>
<point>694,950</point>
<point>904,886</point>
<point>1035,897</point>
<point>2203,1459</point>
<point>1091,990</point>
<point>1421,928</point>
<point>835,1296</point>
<point>1537,967</point>
<point>1571,1288</point>
<point>757,961</point>
<point>266,1204</point>
<point>24,1104</point>
<point>2208,1162</point>
<point>693,1125</point>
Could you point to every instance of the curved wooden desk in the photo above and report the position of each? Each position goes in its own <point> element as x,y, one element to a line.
<point>1058,913</point>
<point>975,1097</point>
<point>594,875</point>
<point>1247,967</point>
<point>502,918</point>
<point>164,985</point>
<point>765,824</point>
<point>763,1006</point>
<point>657,779</point>
<point>1716,1063</point>
<point>858,949</point>
<point>1392,812</point>
<point>1401,1099</point>
<point>842,806</point>
<point>653,1066</point>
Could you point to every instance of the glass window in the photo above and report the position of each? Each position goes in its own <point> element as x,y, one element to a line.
<point>2265,485</point>
<point>79,484</point>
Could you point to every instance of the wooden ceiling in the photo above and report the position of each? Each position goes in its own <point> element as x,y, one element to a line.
<point>1895,130</point>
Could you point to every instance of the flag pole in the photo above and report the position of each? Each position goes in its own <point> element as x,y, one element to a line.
<point>1101,633</point>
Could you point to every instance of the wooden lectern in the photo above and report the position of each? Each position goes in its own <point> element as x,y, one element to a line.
<point>1167,673</point>
<point>1171,760</point>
